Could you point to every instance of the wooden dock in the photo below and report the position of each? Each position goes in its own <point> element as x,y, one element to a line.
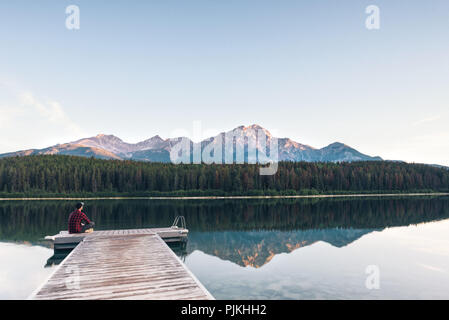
<point>65,240</point>
<point>122,264</point>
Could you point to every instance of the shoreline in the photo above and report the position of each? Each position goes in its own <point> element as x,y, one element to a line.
<point>323,196</point>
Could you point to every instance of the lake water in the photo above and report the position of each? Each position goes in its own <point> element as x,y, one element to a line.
<point>370,248</point>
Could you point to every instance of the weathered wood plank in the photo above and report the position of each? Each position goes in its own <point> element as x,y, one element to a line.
<point>65,237</point>
<point>122,265</point>
<point>64,240</point>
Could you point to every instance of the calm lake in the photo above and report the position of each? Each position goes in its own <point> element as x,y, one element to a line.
<point>364,248</point>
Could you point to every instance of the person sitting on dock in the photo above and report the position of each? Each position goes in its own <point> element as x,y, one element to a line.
<point>79,222</point>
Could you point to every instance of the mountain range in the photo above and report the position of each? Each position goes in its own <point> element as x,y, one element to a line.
<point>257,248</point>
<point>157,149</point>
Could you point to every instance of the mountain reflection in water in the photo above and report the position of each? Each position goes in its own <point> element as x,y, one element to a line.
<point>259,249</point>
<point>246,232</point>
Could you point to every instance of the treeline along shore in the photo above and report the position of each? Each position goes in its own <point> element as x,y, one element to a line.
<point>63,176</point>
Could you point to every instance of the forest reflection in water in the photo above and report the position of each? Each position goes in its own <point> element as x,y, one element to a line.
<point>246,233</point>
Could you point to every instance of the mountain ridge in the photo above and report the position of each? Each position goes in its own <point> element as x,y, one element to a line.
<point>157,149</point>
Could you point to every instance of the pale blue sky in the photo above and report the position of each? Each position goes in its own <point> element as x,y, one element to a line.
<point>309,70</point>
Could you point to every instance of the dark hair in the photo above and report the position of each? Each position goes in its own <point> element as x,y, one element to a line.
<point>79,205</point>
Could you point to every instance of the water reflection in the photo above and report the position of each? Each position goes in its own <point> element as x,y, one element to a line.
<point>30,221</point>
<point>256,248</point>
<point>21,269</point>
<point>264,248</point>
<point>57,257</point>
<point>413,263</point>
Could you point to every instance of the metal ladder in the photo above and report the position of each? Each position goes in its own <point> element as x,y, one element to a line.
<point>176,222</point>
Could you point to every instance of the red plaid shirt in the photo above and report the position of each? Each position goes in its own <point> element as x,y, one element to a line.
<point>75,219</point>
